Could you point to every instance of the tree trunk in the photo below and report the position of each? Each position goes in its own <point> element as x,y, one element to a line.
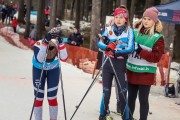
<point>21,11</point>
<point>46,3</point>
<point>27,29</point>
<point>110,6</point>
<point>104,11</point>
<point>53,14</point>
<point>176,53</point>
<point>82,9</point>
<point>86,11</point>
<point>60,8</point>
<point>39,19</point>
<point>72,10</point>
<point>124,2</point>
<point>133,2</point>
<point>149,3</point>
<point>118,3</point>
<point>77,20</point>
<point>43,16</point>
<point>95,24</point>
<point>168,30</point>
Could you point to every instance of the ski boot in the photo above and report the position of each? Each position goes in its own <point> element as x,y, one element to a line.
<point>108,117</point>
<point>118,108</point>
<point>102,117</point>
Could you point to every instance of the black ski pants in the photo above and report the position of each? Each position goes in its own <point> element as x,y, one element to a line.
<point>143,93</point>
<point>107,78</point>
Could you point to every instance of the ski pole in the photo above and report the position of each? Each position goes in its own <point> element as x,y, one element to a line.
<point>39,81</point>
<point>64,105</point>
<point>125,98</point>
<point>92,83</point>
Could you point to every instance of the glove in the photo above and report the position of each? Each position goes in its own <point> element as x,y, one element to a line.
<point>59,38</point>
<point>112,53</point>
<point>111,46</point>
<point>48,37</point>
<point>138,50</point>
<point>106,40</point>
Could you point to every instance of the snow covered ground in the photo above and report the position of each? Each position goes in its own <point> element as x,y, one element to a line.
<point>16,91</point>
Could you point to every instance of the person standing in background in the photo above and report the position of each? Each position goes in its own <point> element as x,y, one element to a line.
<point>14,24</point>
<point>142,64</point>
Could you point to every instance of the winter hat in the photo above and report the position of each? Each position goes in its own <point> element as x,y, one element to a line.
<point>151,13</point>
<point>55,42</point>
<point>122,12</point>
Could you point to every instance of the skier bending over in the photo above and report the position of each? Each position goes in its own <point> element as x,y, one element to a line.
<point>51,71</point>
<point>118,43</point>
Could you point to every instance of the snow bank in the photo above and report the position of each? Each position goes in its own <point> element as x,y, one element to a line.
<point>12,37</point>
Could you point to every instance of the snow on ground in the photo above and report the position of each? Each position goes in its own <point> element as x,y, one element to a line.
<point>17,91</point>
<point>68,25</point>
<point>8,31</point>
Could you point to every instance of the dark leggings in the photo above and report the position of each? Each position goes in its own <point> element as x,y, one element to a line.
<point>143,99</point>
<point>107,77</point>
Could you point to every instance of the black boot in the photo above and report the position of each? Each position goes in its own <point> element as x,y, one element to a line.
<point>102,117</point>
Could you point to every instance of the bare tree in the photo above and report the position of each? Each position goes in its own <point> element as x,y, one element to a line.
<point>21,11</point>
<point>82,9</point>
<point>104,11</point>
<point>95,24</point>
<point>110,6</point>
<point>43,15</point>
<point>53,14</point>
<point>39,19</point>
<point>72,9</point>
<point>149,3</point>
<point>176,53</point>
<point>77,20</point>
<point>133,2</point>
<point>46,3</point>
<point>124,2</point>
<point>117,4</point>
<point>60,8</point>
<point>27,30</point>
<point>86,11</point>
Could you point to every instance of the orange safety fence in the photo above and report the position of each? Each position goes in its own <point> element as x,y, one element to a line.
<point>163,71</point>
<point>81,57</point>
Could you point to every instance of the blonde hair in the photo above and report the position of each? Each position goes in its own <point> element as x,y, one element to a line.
<point>157,27</point>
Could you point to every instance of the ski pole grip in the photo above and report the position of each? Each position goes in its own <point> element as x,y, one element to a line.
<point>101,38</point>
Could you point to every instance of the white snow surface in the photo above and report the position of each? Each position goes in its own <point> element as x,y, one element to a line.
<point>16,90</point>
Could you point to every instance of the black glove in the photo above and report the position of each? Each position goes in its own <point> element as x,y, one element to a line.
<point>59,37</point>
<point>106,40</point>
<point>48,37</point>
<point>138,50</point>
